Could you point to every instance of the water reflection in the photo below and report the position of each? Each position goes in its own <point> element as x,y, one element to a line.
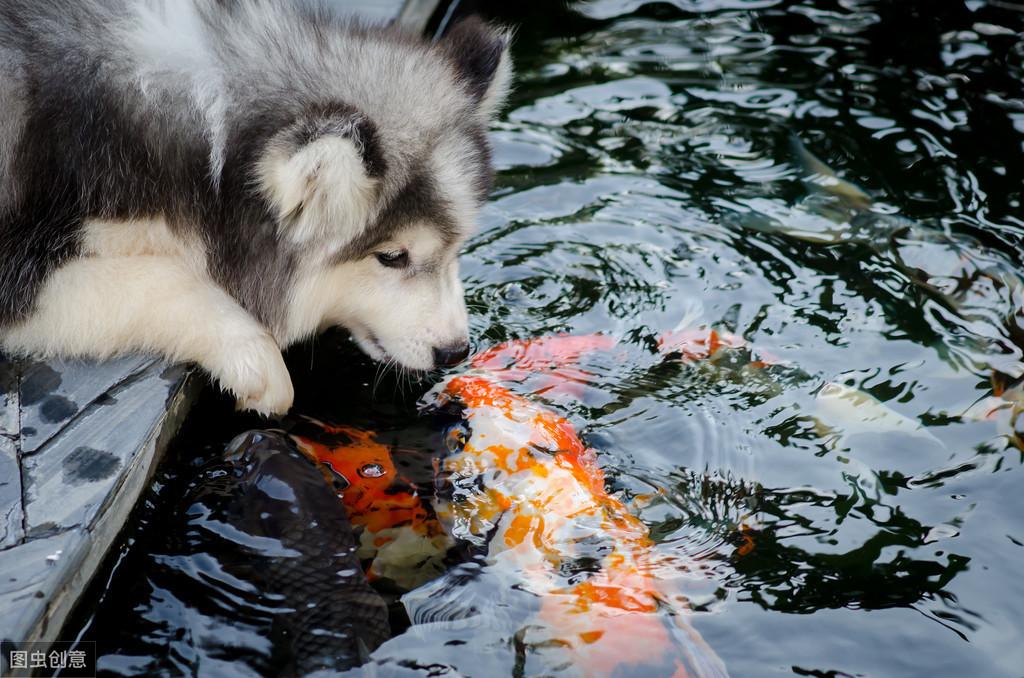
<point>649,174</point>
<point>911,297</point>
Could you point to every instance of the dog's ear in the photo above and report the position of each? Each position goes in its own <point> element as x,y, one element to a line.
<point>321,173</point>
<point>480,53</point>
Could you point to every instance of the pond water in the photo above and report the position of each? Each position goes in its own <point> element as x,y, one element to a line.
<point>666,162</point>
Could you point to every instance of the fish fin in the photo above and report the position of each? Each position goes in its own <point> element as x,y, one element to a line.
<point>692,313</point>
<point>1007,386</point>
<point>824,179</point>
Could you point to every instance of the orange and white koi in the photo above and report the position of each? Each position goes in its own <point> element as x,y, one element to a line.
<point>529,488</point>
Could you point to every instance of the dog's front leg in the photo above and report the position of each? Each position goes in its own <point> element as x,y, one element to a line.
<point>101,306</point>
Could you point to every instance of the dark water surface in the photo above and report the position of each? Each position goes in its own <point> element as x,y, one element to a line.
<point>651,172</point>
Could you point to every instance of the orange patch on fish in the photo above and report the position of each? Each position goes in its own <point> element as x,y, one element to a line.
<point>375,496</point>
<point>747,544</point>
<point>548,362</point>
<point>522,356</point>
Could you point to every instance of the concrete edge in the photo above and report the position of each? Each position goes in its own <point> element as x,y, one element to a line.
<point>113,515</point>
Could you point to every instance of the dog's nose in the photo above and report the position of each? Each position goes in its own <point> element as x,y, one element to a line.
<point>449,356</point>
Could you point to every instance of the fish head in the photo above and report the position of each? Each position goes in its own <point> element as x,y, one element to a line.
<point>361,468</point>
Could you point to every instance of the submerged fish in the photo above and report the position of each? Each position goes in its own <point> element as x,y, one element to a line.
<point>566,575</point>
<point>517,484</point>
<point>398,535</point>
<point>819,174</point>
<point>1003,407</point>
<point>526,487</point>
<point>835,211</point>
<point>534,499</point>
<point>266,516</point>
<point>853,411</point>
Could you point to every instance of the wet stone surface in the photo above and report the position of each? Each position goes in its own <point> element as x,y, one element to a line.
<point>77,440</point>
<point>30,574</point>
<point>70,476</point>
<point>11,515</point>
<point>10,494</point>
<point>53,393</point>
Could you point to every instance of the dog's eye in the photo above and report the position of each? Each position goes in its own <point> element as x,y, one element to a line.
<point>396,259</point>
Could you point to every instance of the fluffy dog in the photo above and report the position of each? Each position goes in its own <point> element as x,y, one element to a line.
<point>213,180</point>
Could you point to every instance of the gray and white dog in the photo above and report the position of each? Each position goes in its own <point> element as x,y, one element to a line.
<point>214,180</point>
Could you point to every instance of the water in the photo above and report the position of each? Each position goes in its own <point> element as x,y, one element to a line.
<point>649,173</point>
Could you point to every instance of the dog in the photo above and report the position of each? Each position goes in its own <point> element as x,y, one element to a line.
<point>214,180</point>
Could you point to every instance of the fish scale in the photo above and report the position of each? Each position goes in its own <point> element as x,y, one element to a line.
<point>533,492</point>
<point>267,506</point>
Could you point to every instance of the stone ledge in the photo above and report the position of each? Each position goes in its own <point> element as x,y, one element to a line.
<point>78,472</point>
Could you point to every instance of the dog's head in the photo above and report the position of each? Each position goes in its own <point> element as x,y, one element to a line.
<point>381,185</point>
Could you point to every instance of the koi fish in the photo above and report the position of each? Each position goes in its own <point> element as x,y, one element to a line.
<point>550,365</point>
<point>552,358</point>
<point>526,485</point>
<point>525,488</point>
<point>401,539</point>
<point>853,411</point>
<point>823,177</point>
<point>274,527</point>
<point>558,354</point>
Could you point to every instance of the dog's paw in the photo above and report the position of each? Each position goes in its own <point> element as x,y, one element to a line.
<point>253,370</point>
